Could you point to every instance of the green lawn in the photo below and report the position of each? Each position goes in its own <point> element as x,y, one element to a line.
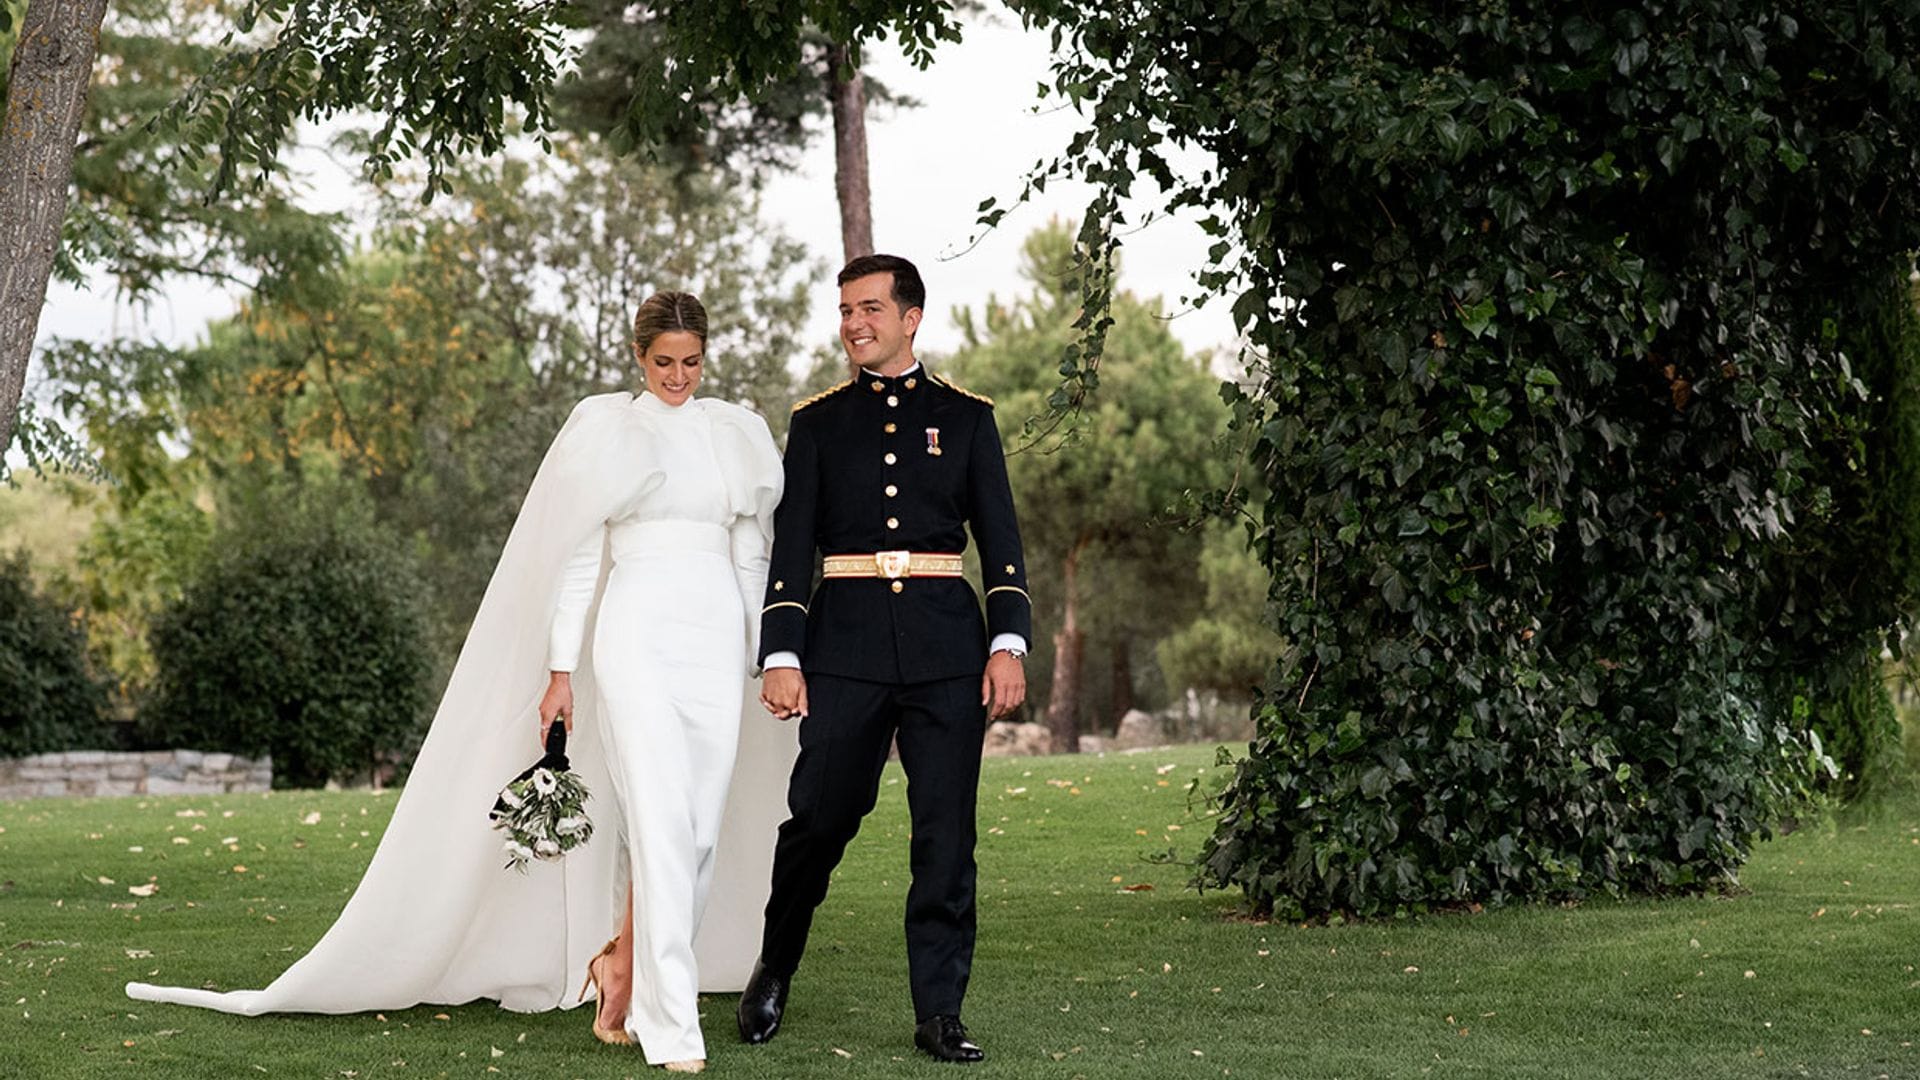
<point>1094,960</point>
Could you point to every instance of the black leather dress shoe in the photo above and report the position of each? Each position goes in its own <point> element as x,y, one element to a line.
<point>761,1004</point>
<point>945,1038</point>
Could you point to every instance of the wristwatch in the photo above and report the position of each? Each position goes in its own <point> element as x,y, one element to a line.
<point>1015,653</point>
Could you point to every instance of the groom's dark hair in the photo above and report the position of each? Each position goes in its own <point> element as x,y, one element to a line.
<point>908,290</point>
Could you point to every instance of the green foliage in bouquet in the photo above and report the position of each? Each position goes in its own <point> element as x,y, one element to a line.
<point>544,817</point>
<point>50,699</point>
<point>1549,306</point>
<point>302,637</point>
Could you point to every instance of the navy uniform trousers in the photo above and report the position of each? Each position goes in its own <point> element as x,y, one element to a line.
<point>908,463</point>
<point>843,746</point>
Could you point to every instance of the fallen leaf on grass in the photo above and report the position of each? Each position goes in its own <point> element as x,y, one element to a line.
<point>497,1052</point>
<point>138,954</point>
<point>441,1016</point>
<point>1139,886</point>
<point>311,819</point>
<point>843,1053</point>
<point>104,880</point>
<point>144,890</point>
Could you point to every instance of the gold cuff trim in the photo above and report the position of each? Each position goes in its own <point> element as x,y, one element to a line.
<point>784,603</point>
<point>892,564</point>
<point>1009,588</point>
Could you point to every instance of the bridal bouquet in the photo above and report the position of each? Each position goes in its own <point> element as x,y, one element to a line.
<point>543,811</point>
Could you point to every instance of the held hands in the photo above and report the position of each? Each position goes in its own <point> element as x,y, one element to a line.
<point>1004,687</point>
<point>784,692</point>
<point>557,702</point>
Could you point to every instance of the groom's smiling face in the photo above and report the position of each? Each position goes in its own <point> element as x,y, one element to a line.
<point>876,333</point>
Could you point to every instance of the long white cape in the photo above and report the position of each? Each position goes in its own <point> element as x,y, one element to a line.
<point>436,919</point>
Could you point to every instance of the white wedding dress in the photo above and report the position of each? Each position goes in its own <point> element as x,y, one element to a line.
<point>639,558</point>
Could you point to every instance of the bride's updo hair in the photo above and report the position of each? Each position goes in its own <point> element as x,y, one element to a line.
<point>665,312</point>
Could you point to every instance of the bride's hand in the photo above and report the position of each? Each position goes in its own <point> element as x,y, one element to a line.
<point>557,701</point>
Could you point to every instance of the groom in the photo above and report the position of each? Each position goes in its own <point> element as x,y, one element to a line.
<point>885,474</point>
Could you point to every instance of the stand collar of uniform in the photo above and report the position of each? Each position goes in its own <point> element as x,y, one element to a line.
<point>907,381</point>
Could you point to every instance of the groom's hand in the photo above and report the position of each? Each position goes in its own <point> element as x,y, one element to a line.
<point>784,692</point>
<point>1004,687</point>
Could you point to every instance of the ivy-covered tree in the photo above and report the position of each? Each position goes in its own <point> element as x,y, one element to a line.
<point>1548,302</point>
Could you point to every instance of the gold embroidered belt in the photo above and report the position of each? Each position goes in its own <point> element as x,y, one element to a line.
<point>892,564</point>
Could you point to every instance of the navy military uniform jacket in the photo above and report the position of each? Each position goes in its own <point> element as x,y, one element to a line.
<point>903,464</point>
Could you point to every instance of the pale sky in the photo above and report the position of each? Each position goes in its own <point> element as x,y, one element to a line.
<point>979,129</point>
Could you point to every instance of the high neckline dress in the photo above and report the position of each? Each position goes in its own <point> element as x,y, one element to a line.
<point>668,652</point>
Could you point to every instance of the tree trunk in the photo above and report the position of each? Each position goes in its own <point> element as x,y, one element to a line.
<point>1069,648</point>
<point>1122,679</point>
<point>46,95</point>
<point>847,90</point>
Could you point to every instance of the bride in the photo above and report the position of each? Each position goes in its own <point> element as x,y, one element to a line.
<point>624,605</point>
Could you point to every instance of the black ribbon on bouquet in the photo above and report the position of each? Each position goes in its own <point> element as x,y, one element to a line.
<point>555,760</point>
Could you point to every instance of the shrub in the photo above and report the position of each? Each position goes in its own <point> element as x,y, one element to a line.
<point>303,639</point>
<point>50,698</point>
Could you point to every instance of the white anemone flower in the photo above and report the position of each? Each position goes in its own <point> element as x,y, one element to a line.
<point>567,826</point>
<point>544,781</point>
<point>545,848</point>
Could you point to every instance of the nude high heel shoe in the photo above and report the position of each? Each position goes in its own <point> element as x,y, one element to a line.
<point>615,1036</point>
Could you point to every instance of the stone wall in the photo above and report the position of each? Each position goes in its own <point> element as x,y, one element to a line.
<point>153,772</point>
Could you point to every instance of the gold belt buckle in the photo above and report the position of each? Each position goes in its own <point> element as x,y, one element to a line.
<point>894,564</point>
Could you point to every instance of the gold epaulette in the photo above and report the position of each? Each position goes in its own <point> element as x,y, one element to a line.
<point>828,392</point>
<point>949,384</point>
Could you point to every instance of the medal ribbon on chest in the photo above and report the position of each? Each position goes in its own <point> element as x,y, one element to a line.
<point>933,441</point>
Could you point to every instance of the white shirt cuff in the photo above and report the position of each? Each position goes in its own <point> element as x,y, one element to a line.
<point>781,660</point>
<point>1000,642</point>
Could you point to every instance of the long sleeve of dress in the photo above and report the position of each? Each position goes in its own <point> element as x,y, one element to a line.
<point>750,551</point>
<point>577,582</point>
